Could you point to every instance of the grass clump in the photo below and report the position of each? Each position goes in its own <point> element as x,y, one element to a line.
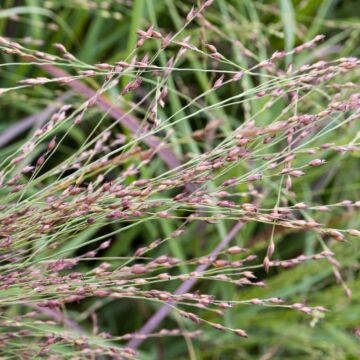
<point>185,176</point>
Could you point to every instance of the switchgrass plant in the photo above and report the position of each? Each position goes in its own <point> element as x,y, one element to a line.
<point>136,161</point>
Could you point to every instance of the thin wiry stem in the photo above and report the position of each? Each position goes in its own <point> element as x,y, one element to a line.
<point>156,319</point>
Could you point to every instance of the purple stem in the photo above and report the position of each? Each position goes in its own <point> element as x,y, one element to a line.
<point>60,318</point>
<point>117,113</point>
<point>155,320</point>
<point>39,118</point>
